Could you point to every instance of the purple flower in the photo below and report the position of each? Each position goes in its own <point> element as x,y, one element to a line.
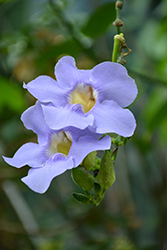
<point>94,98</point>
<point>56,151</point>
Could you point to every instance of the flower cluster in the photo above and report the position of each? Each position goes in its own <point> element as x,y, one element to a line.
<point>70,117</point>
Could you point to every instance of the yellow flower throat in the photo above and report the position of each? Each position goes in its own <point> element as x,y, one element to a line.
<point>60,143</point>
<point>83,94</point>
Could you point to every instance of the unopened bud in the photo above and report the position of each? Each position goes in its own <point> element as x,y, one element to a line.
<point>119,5</point>
<point>83,178</point>
<point>118,22</point>
<point>106,175</point>
<point>119,37</point>
<point>89,160</point>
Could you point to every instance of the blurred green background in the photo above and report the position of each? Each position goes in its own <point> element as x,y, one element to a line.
<point>34,34</point>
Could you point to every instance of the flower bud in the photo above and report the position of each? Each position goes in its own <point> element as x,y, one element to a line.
<point>89,160</point>
<point>83,178</point>
<point>119,5</point>
<point>118,22</point>
<point>106,175</point>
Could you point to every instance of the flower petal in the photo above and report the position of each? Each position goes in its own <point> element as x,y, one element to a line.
<point>68,75</point>
<point>77,133</point>
<point>85,145</point>
<point>113,83</point>
<point>29,154</point>
<point>111,118</point>
<point>58,118</point>
<point>39,179</point>
<point>46,89</point>
<point>33,119</point>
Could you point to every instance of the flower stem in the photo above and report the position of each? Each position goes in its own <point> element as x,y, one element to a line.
<point>117,41</point>
<point>118,22</point>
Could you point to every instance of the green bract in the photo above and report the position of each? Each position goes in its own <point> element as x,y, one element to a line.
<point>83,178</point>
<point>89,160</point>
<point>106,175</point>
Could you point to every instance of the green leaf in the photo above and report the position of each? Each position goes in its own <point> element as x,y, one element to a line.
<point>100,20</point>
<point>81,198</point>
<point>89,160</point>
<point>106,175</point>
<point>82,178</point>
<point>11,96</point>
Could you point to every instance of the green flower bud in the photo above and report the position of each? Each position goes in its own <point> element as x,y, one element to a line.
<point>97,163</point>
<point>89,160</point>
<point>106,175</point>
<point>83,178</point>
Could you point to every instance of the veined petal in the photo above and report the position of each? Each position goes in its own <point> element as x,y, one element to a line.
<point>46,89</point>
<point>113,83</point>
<point>85,145</point>
<point>57,118</point>
<point>111,118</point>
<point>29,154</point>
<point>39,179</point>
<point>31,118</point>
<point>68,75</point>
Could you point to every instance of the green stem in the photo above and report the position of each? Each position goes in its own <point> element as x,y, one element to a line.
<point>115,49</point>
<point>118,17</point>
<point>118,22</point>
<point>117,40</point>
<point>118,29</point>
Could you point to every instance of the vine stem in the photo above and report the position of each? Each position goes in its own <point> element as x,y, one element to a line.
<point>118,22</point>
<point>117,41</point>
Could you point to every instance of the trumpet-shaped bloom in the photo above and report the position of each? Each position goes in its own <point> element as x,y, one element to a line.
<point>95,98</point>
<point>56,151</point>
